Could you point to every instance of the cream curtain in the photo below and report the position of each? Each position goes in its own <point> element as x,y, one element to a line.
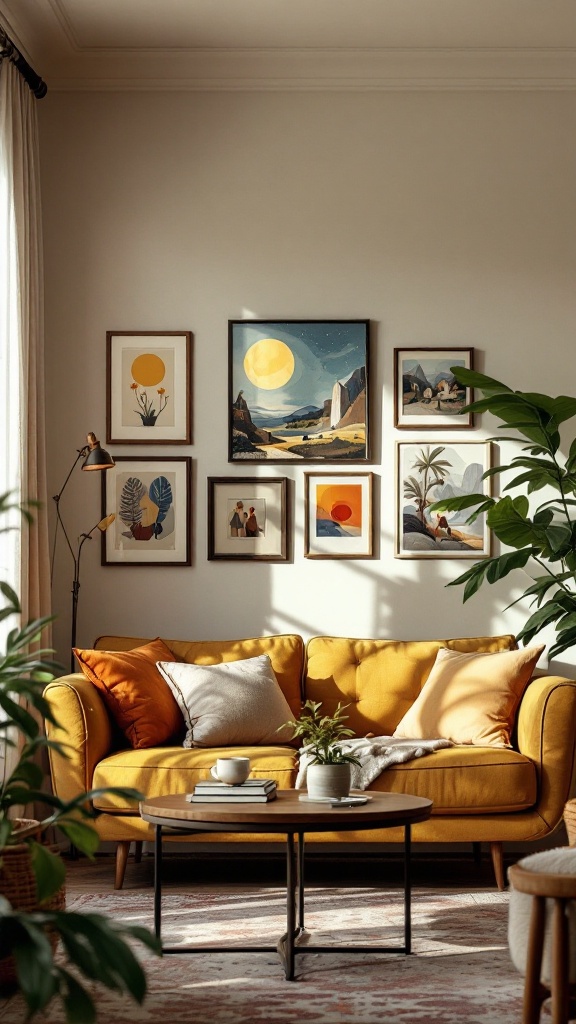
<point>24,555</point>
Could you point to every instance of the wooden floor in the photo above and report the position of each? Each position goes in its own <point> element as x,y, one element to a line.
<point>180,870</point>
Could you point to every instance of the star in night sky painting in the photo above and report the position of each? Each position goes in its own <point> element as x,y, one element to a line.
<point>298,390</point>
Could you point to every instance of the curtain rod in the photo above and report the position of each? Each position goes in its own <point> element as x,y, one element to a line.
<point>9,51</point>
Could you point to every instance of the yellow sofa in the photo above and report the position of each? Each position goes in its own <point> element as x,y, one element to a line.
<point>480,794</point>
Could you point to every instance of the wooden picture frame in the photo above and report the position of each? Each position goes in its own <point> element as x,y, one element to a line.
<point>427,472</point>
<point>298,390</point>
<point>151,501</point>
<point>426,394</point>
<point>148,387</point>
<point>338,515</point>
<point>248,519</point>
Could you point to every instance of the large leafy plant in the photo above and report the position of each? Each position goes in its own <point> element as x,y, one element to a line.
<point>94,944</point>
<point>544,535</point>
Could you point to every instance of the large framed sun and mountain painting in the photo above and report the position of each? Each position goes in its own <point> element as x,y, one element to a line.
<point>427,473</point>
<point>150,499</point>
<point>338,516</point>
<point>148,387</point>
<point>426,392</point>
<point>298,390</point>
<point>248,519</point>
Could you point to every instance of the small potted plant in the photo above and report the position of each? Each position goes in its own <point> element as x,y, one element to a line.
<point>327,765</point>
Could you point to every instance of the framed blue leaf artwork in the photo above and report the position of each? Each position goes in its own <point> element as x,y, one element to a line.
<point>150,502</point>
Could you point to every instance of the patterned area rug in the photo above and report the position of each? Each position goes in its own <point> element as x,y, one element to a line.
<point>460,972</point>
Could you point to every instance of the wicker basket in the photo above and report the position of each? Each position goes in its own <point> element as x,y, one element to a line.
<point>18,886</point>
<point>570,821</point>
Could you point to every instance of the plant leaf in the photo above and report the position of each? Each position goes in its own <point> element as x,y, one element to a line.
<point>49,870</point>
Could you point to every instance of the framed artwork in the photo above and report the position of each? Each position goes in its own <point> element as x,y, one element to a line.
<point>298,389</point>
<point>426,393</point>
<point>247,519</point>
<point>148,387</point>
<point>427,473</point>
<point>150,500</point>
<point>338,516</point>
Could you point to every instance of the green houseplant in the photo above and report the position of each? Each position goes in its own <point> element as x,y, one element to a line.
<point>327,765</point>
<point>544,535</point>
<point>94,945</point>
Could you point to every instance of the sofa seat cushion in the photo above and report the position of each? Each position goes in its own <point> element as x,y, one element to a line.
<point>378,679</point>
<point>466,780</point>
<point>164,770</point>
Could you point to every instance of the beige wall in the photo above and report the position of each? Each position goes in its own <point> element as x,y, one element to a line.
<point>447,219</point>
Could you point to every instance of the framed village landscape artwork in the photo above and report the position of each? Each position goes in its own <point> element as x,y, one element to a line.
<point>426,392</point>
<point>148,387</point>
<point>427,473</point>
<point>298,389</point>
<point>338,517</point>
<point>150,499</point>
<point>247,519</point>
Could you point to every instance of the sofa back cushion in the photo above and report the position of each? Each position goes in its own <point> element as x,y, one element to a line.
<point>286,655</point>
<point>379,679</point>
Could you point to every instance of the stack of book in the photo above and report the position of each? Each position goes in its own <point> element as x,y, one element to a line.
<point>252,791</point>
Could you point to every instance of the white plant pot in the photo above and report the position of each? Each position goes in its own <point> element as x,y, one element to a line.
<point>328,780</point>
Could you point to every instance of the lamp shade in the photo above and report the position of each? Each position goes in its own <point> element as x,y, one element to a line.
<point>97,457</point>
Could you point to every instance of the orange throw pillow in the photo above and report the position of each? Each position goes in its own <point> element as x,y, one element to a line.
<point>471,698</point>
<point>135,694</point>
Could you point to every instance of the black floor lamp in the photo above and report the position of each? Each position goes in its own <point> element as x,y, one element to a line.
<point>95,458</point>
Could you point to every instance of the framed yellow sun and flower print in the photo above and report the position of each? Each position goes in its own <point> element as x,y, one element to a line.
<point>148,387</point>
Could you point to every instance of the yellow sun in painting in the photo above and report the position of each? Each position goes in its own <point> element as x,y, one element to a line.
<point>269,363</point>
<point>148,369</point>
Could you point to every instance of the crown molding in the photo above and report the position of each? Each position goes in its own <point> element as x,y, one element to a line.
<point>312,69</point>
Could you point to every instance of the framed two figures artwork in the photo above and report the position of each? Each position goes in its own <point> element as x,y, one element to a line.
<point>150,501</point>
<point>298,391</point>
<point>148,387</point>
<point>247,519</point>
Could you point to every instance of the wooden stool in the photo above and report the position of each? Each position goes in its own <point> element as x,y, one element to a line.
<point>561,889</point>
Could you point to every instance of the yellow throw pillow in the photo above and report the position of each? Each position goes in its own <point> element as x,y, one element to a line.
<point>471,698</point>
<point>135,694</point>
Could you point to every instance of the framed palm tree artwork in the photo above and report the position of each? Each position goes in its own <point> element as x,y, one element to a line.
<point>431,472</point>
<point>149,500</point>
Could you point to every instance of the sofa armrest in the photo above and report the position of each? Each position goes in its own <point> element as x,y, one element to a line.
<point>547,735</point>
<point>83,728</point>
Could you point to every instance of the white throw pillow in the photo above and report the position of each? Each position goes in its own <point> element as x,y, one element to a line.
<point>234,703</point>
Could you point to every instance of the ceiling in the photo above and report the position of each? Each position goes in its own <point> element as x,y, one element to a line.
<point>234,44</point>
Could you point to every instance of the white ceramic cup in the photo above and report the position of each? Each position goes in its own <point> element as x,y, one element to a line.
<point>231,770</point>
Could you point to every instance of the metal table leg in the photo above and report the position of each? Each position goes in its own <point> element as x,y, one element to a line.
<point>407,892</point>
<point>158,881</point>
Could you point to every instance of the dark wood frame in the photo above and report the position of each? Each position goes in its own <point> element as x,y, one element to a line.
<point>466,423</point>
<point>370,531</point>
<point>187,461</point>
<point>187,337</point>
<point>237,484</point>
<point>231,396</point>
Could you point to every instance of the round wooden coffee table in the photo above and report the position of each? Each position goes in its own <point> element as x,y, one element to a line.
<point>293,817</point>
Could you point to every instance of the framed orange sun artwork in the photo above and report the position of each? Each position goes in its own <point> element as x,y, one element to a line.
<point>148,387</point>
<point>338,516</point>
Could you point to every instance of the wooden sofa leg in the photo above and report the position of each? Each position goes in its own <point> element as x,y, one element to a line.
<point>138,850</point>
<point>497,852</point>
<point>122,851</point>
